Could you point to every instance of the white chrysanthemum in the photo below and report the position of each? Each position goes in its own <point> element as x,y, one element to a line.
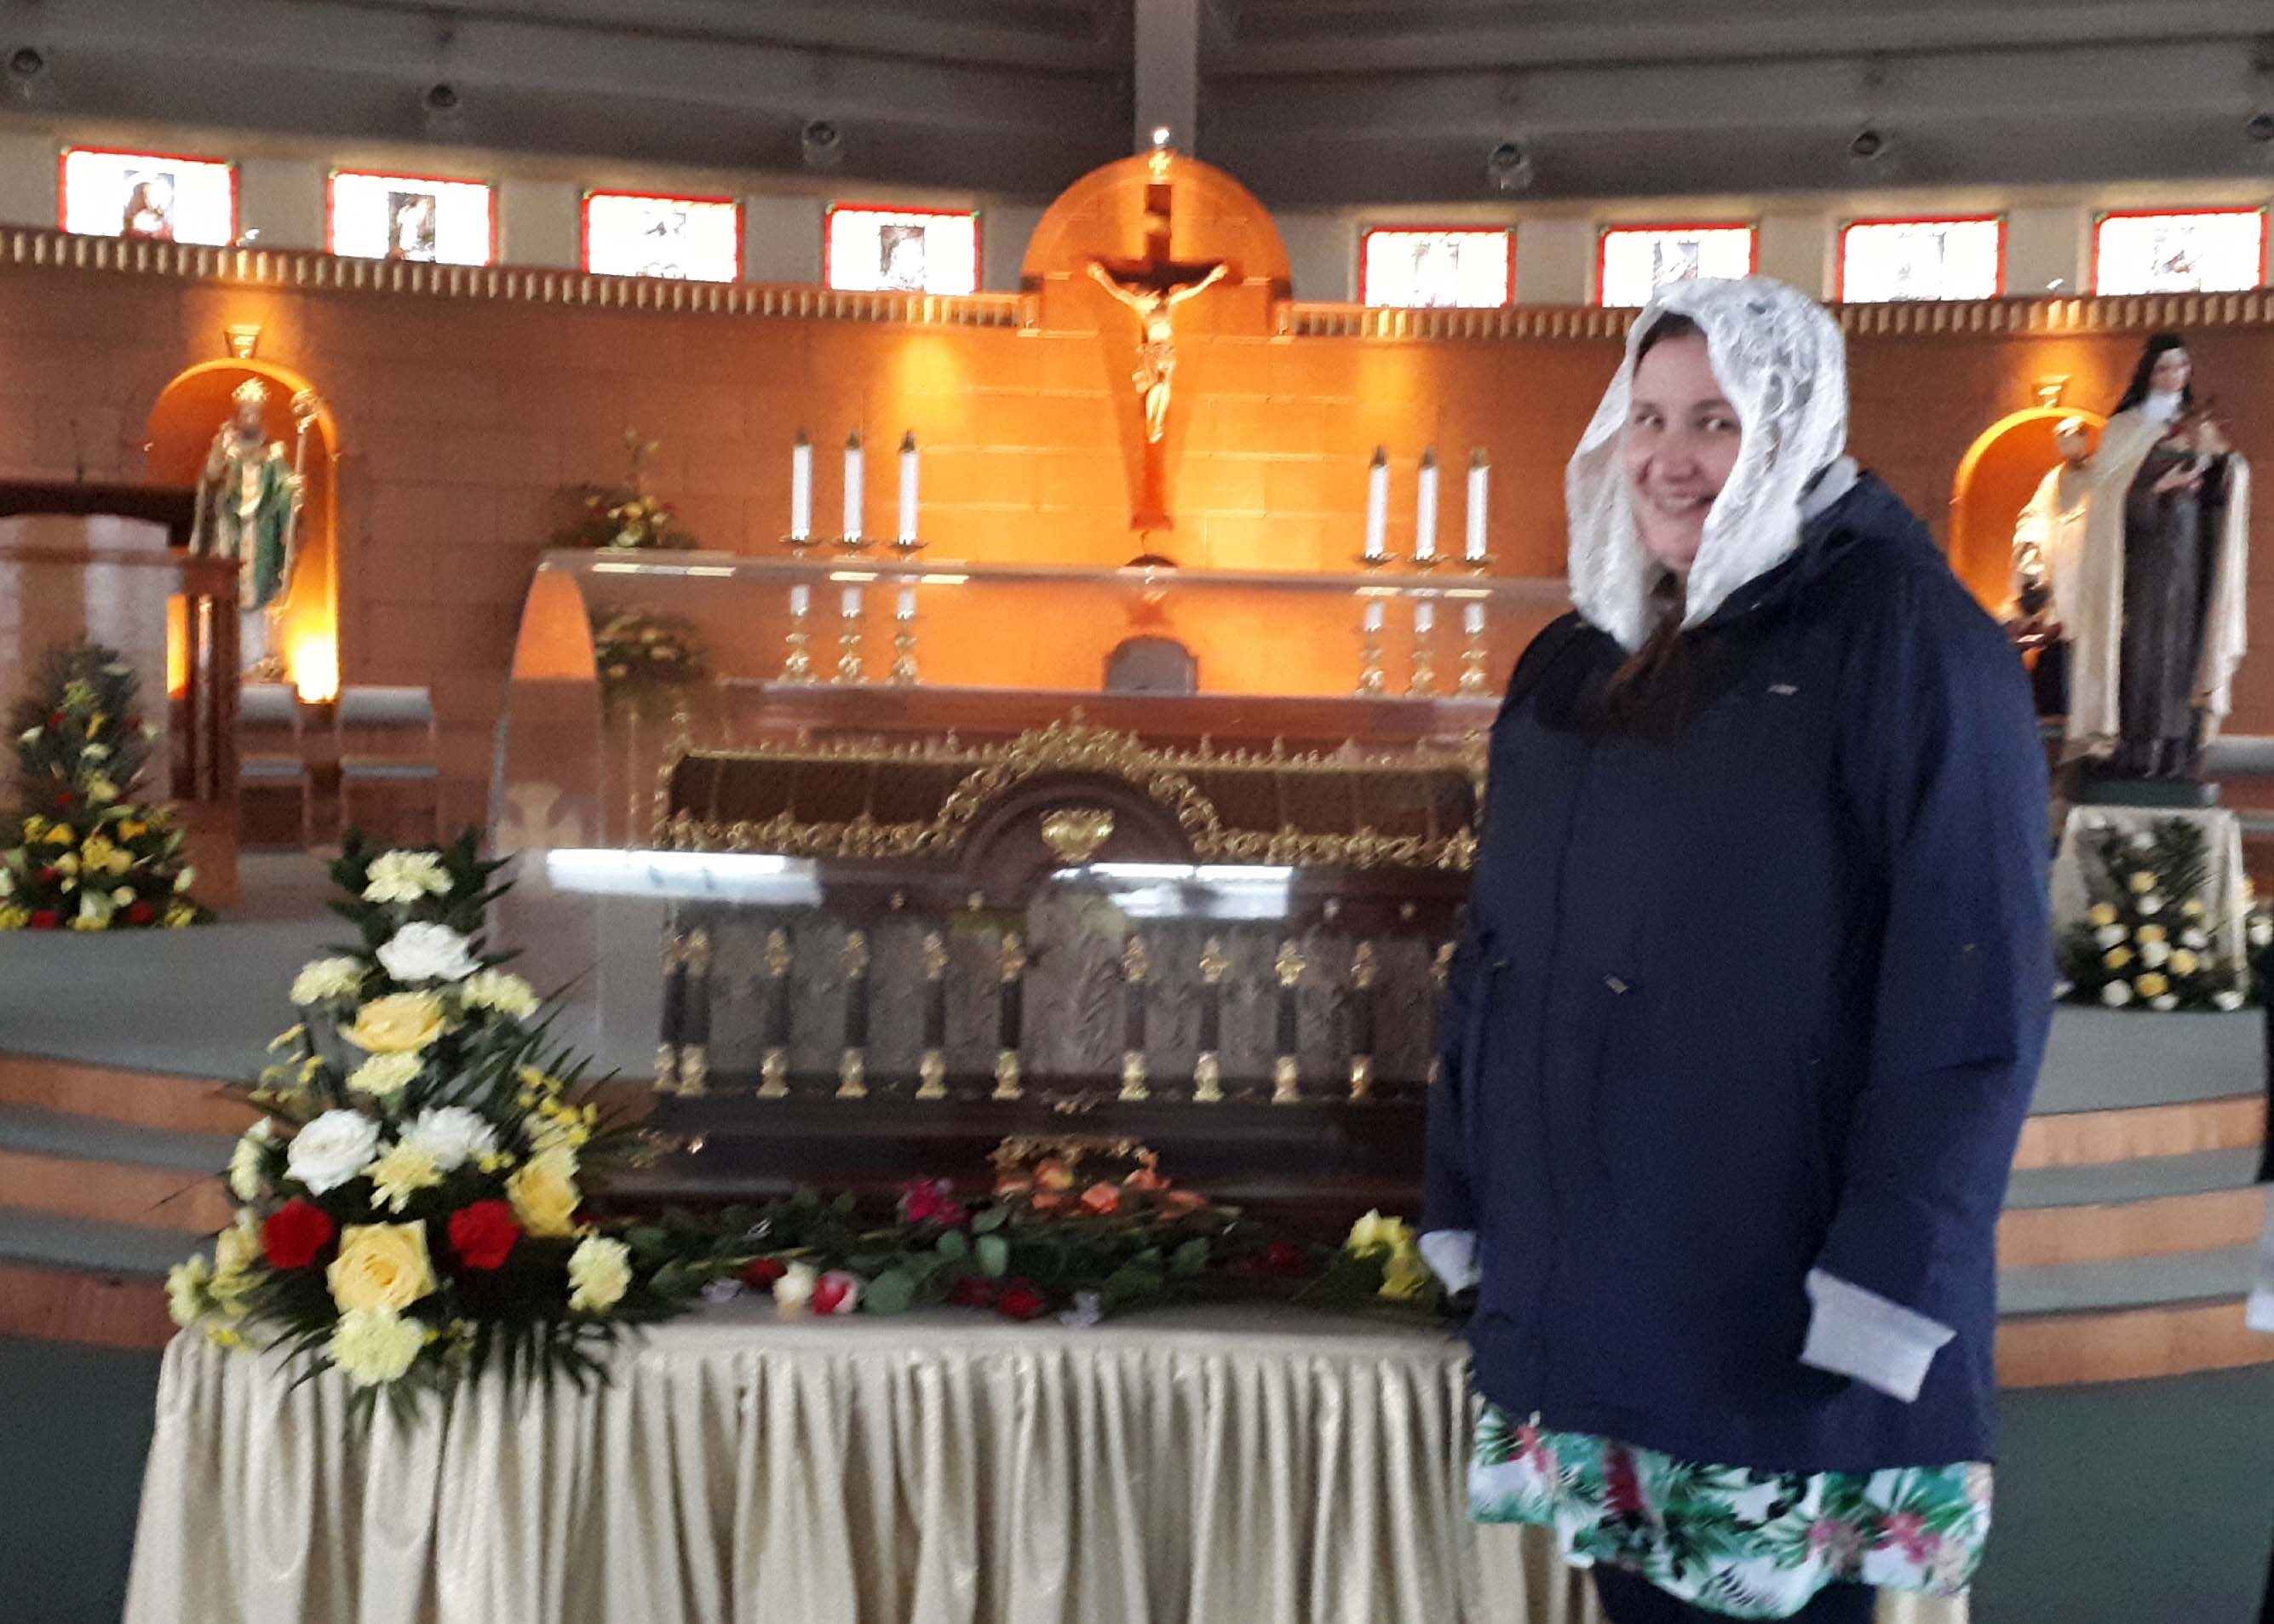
<point>501,991</point>
<point>2153,954</point>
<point>2062,988</point>
<point>451,1135</point>
<point>402,1173</point>
<point>600,1271</point>
<point>384,1075</point>
<point>2109,935</point>
<point>2164,1001</point>
<point>332,1149</point>
<point>2230,1000</point>
<point>7,882</point>
<point>2116,994</point>
<point>2151,905</point>
<point>2143,841</point>
<point>247,1160</point>
<point>425,952</point>
<point>186,878</point>
<point>376,1345</point>
<point>406,877</point>
<point>323,979</point>
<point>2261,932</point>
<point>2195,938</point>
<point>185,1290</point>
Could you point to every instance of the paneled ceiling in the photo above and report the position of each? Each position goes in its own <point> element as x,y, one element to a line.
<point>1311,102</point>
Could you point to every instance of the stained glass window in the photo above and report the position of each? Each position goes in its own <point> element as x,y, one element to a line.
<point>1884,261</point>
<point>2215,250</point>
<point>156,197</point>
<point>1639,261</point>
<point>1420,270</point>
<point>691,239</point>
<point>406,217</point>
<point>901,250</point>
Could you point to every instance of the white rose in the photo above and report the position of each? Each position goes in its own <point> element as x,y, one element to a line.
<point>600,1270</point>
<point>2116,994</point>
<point>2229,1000</point>
<point>405,876</point>
<point>324,979</point>
<point>376,1345</point>
<point>332,1149</point>
<point>247,1160</point>
<point>2151,905</point>
<point>7,883</point>
<point>94,752</point>
<point>185,1290</point>
<point>501,991</point>
<point>186,878</point>
<point>2062,988</point>
<point>428,953</point>
<point>2153,954</point>
<point>383,1076</point>
<point>794,1289</point>
<point>451,1135</point>
<point>2195,938</point>
<point>123,894</point>
<point>2109,935</point>
<point>2143,841</point>
<point>2164,1001</point>
<point>2261,932</point>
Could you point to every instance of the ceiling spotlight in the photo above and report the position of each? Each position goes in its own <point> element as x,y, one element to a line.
<point>1869,146</point>
<point>822,144</point>
<point>26,62</point>
<point>1509,168</point>
<point>2259,127</point>
<point>443,98</point>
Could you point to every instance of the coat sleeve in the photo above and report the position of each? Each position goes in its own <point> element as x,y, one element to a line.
<point>1946,780</point>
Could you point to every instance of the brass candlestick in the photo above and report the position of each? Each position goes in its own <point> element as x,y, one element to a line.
<point>1370,680</point>
<point>850,628</point>
<point>903,671</point>
<point>1422,684</point>
<point>798,666</point>
<point>1473,679</point>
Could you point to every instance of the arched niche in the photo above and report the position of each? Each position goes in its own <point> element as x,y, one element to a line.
<point>1996,478</point>
<point>190,410</point>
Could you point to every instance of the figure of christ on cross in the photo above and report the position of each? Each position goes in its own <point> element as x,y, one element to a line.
<point>1153,289</point>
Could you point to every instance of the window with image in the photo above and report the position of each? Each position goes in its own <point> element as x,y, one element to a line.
<point>873,249</point>
<point>1636,261</point>
<point>2211,250</point>
<point>152,197</point>
<point>407,217</point>
<point>1468,269</point>
<point>1883,261</point>
<point>689,239</point>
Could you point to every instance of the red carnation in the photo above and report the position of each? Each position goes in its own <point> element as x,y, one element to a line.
<point>63,797</point>
<point>50,873</point>
<point>974,1291</point>
<point>932,1201</point>
<point>482,1233</point>
<point>1020,1301</point>
<point>1282,1258</point>
<point>55,718</point>
<point>43,919</point>
<point>760,1274</point>
<point>295,1233</point>
<point>140,914</point>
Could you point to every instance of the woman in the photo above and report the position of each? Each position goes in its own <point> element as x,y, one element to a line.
<point>1750,997</point>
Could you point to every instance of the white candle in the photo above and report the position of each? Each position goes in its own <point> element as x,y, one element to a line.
<point>1425,618</point>
<point>800,488</point>
<point>852,485</point>
<point>1479,478</point>
<point>801,600</point>
<point>1373,615</point>
<point>1473,620</point>
<point>908,485</point>
<point>907,609</point>
<point>1377,505</point>
<point>1425,509</point>
<point>852,609</point>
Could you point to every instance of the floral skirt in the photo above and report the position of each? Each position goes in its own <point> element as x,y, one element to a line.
<point>1749,1544</point>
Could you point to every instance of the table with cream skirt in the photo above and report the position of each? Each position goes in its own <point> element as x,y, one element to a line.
<point>1243,1466</point>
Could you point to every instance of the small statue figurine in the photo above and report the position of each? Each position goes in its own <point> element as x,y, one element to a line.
<point>2155,610</point>
<point>248,509</point>
<point>2048,541</point>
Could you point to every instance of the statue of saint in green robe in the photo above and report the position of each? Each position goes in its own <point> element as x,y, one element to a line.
<point>249,509</point>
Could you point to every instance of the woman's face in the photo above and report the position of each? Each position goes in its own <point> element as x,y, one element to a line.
<point>1681,441</point>
<point>2173,371</point>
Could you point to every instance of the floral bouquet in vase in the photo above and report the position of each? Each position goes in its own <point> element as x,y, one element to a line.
<point>2149,940</point>
<point>412,1195</point>
<point>626,517</point>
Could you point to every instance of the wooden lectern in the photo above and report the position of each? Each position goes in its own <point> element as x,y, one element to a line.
<point>112,562</point>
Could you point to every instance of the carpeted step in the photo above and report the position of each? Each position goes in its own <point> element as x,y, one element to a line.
<point>2149,1206</point>
<point>39,1133</point>
<point>2125,1283</point>
<point>2145,1178</point>
<point>90,1245</point>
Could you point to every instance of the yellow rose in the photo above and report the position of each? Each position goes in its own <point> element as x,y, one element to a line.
<point>60,835</point>
<point>543,1193</point>
<point>401,1023</point>
<point>2192,907</point>
<point>2151,933</point>
<point>380,1266</point>
<point>2101,914</point>
<point>2183,961</point>
<point>35,827</point>
<point>2151,985</point>
<point>2116,957</point>
<point>2142,881</point>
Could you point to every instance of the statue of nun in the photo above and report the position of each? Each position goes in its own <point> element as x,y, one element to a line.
<point>2156,613</point>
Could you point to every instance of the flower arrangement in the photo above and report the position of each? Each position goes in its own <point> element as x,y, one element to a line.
<point>2147,941</point>
<point>645,658</point>
<point>626,517</point>
<point>82,854</point>
<point>413,1205</point>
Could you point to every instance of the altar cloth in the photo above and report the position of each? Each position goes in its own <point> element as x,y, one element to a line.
<point>1251,1465</point>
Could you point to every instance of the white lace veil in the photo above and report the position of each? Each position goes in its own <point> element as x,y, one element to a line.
<point>1780,359</point>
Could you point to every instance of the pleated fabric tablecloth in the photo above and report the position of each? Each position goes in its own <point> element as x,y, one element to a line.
<point>1216,1466</point>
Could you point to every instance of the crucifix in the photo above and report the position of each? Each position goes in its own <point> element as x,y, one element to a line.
<point>1152,287</point>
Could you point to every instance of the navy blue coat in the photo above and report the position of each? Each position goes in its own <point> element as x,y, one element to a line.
<point>1764,994</point>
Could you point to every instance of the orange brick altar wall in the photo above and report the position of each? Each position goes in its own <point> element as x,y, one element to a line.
<point>458,420</point>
